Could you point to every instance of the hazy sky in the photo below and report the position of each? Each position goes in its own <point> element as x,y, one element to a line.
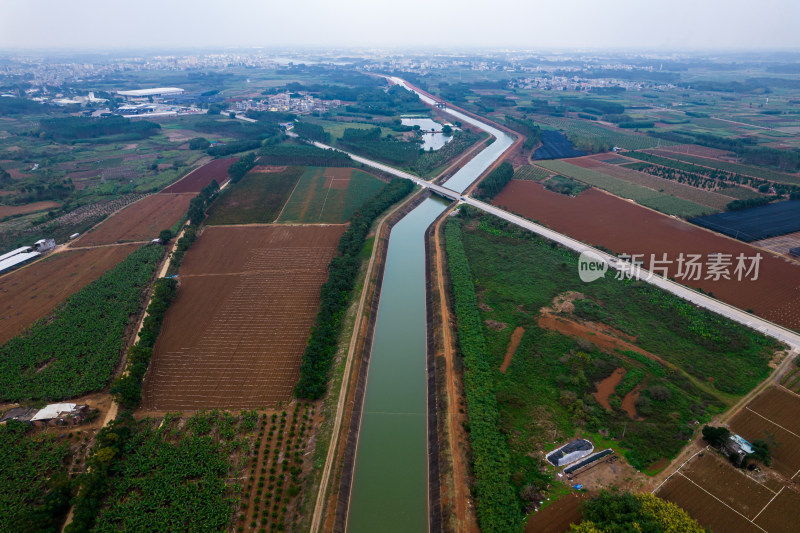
<point>633,24</point>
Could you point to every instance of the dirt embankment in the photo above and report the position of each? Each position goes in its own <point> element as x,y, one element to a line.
<point>513,344</point>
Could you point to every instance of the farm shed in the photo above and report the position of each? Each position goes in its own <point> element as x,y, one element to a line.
<point>17,260</point>
<point>60,414</point>
<point>42,245</point>
<point>570,452</point>
<point>738,447</point>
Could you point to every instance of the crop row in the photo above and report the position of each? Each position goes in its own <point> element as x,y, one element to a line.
<point>643,195</point>
<point>737,168</point>
<point>276,471</point>
<point>531,173</point>
<point>74,350</point>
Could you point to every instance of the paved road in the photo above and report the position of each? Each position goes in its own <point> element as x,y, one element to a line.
<point>737,315</point>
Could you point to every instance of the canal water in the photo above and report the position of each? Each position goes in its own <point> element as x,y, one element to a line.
<point>430,141</point>
<point>390,486</point>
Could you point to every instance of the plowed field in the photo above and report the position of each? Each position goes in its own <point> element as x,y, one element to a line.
<point>31,293</point>
<point>8,210</point>
<point>234,336</point>
<point>597,218</point>
<point>774,415</point>
<point>141,221</point>
<point>723,498</point>
<point>199,178</point>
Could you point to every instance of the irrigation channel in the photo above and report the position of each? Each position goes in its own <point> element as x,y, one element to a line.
<point>390,482</point>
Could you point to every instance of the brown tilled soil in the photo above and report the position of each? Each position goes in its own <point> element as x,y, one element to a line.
<point>513,344</point>
<point>337,177</point>
<point>234,335</point>
<point>606,387</point>
<point>629,403</point>
<point>141,221</point>
<point>32,292</point>
<point>558,516</point>
<point>8,210</point>
<point>200,177</point>
<point>598,218</point>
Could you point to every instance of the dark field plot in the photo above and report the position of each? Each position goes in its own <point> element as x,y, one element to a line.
<point>257,198</point>
<point>555,146</point>
<point>199,178</point>
<point>756,223</point>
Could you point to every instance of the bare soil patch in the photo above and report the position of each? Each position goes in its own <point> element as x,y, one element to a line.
<point>629,403</point>
<point>200,177</point>
<point>495,325</point>
<point>606,387</point>
<point>234,336</point>
<point>513,344</point>
<point>558,516</point>
<point>31,293</point>
<point>8,210</point>
<point>142,220</point>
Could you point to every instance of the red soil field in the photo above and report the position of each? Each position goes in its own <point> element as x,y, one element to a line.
<point>338,177</point>
<point>141,221</point>
<point>711,514</point>
<point>200,177</point>
<point>556,517</point>
<point>601,219</point>
<point>8,210</point>
<point>28,294</point>
<point>779,516</point>
<point>722,498</point>
<point>584,162</point>
<point>234,336</point>
<point>774,412</point>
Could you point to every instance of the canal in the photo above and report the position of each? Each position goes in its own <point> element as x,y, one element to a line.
<point>390,486</point>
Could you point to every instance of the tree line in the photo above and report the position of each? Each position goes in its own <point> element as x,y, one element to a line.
<point>496,181</point>
<point>305,154</point>
<point>62,129</point>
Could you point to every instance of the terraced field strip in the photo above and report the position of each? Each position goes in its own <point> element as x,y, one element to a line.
<point>755,172</point>
<point>235,334</point>
<point>714,200</point>
<point>642,195</point>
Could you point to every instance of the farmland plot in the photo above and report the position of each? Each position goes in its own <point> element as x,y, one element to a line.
<point>257,199</point>
<point>774,415</point>
<point>199,178</point>
<point>693,194</point>
<point>32,292</point>
<point>141,221</point>
<point>234,336</point>
<point>600,219</point>
<point>329,195</point>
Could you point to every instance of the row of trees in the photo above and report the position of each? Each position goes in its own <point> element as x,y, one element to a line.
<point>221,150</point>
<point>498,507</point>
<point>199,204</point>
<point>496,181</point>
<point>305,154</point>
<point>240,168</point>
<point>739,205</point>
<point>337,291</point>
<point>314,132</point>
<point>72,128</point>
<point>127,389</point>
<point>532,132</point>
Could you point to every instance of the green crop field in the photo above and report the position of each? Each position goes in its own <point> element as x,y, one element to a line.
<point>531,173</point>
<point>318,199</point>
<point>504,274</point>
<point>581,128</point>
<point>31,466</point>
<point>257,198</point>
<point>76,349</point>
<point>181,474</point>
<point>648,197</point>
